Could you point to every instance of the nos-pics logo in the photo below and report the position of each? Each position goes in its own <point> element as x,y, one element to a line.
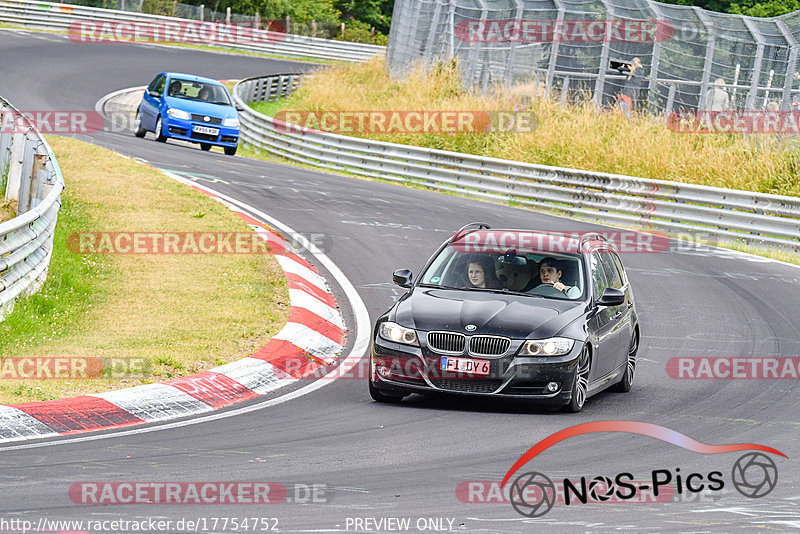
<point>533,494</point>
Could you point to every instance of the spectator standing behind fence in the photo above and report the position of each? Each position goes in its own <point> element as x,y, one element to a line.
<point>629,97</point>
<point>717,98</point>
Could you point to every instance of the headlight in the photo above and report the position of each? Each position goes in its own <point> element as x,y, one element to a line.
<point>231,123</point>
<point>555,346</point>
<point>178,114</point>
<point>399,334</point>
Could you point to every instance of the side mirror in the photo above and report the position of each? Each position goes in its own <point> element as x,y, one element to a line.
<point>402,277</point>
<point>155,94</point>
<point>239,108</point>
<point>611,297</point>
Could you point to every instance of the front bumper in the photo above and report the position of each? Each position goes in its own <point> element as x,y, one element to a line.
<point>184,130</point>
<point>398,368</point>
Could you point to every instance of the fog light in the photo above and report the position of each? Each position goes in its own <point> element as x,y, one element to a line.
<point>383,371</point>
<point>552,387</point>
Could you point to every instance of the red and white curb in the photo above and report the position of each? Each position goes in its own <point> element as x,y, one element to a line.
<point>311,339</point>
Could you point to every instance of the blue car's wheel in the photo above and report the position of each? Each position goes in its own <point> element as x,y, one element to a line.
<point>160,137</point>
<point>138,131</point>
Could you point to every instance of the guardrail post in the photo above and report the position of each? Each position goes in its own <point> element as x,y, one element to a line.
<point>23,201</point>
<point>14,166</point>
<point>38,176</point>
<point>5,148</point>
<point>564,90</point>
<point>258,94</point>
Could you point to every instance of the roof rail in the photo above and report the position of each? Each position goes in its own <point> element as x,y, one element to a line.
<point>596,236</point>
<point>470,227</point>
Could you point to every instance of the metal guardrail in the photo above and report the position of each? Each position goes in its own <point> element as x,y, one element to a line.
<point>722,214</point>
<point>33,178</point>
<point>58,17</point>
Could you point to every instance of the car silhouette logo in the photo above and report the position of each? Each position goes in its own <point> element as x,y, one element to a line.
<point>470,328</point>
<point>206,118</point>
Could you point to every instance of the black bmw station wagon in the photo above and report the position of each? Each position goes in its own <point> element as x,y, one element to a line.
<point>513,314</point>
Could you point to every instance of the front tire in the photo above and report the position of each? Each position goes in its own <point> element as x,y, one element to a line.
<point>160,137</point>
<point>205,146</point>
<point>580,385</point>
<point>624,385</point>
<point>138,131</point>
<point>379,396</point>
<point>230,150</point>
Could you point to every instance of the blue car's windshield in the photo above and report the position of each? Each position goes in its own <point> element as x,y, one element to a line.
<point>198,91</point>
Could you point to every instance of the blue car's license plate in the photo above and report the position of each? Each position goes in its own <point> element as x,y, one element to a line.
<point>206,130</point>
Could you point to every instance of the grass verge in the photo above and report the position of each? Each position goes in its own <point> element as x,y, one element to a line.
<point>8,209</point>
<point>180,314</point>
<point>576,135</point>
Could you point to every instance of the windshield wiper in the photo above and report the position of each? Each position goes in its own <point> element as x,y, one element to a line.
<point>437,286</point>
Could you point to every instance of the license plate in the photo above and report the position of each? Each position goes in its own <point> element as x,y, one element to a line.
<point>206,130</point>
<point>466,365</point>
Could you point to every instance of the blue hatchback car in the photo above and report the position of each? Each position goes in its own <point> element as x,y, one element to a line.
<point>190,108</point>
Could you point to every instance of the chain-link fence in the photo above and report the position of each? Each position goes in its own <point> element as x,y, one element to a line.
<point>691,59</point>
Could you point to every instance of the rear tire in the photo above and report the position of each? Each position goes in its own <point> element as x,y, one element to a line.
<point>379,396</point>
<point>138,131</point>
<point>580,385</point>
<point>230,150</point>
<point>624,385</point>
<point>160,137</point>
<point>205,146</point>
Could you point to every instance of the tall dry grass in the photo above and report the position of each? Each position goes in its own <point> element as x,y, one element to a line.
<point>576,135</point>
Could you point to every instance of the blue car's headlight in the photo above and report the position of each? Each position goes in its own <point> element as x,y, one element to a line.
<point>178,114</point>
<point>231,123</point>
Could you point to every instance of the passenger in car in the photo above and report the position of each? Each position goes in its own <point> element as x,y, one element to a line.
<point>480,273</point>
<point>550,272</point>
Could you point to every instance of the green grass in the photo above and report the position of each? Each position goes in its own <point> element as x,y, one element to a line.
<point>270,108</point>
<point>74,285</point>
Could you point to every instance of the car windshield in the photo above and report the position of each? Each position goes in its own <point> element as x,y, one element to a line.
<point>198,91</point>
<point>541,274</point>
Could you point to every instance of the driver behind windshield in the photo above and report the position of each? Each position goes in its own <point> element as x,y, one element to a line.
<point>550,274</point>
